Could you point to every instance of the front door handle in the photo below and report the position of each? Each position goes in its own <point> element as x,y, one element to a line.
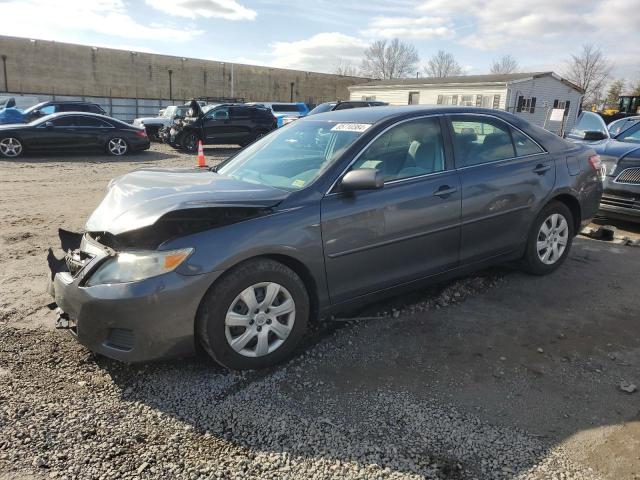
<point>542,169</point>
<point>444,191</point>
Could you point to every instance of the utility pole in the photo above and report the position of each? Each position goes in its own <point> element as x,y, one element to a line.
<point>233,94</point>
<point>4,68</point>
<point>170,84</point>
<point>291,92</point>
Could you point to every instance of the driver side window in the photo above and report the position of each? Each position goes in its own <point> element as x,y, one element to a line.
<point>410,149</point>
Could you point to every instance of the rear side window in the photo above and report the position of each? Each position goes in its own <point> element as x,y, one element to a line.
<point>236,112</point>
<point>64,122</point>
<point>90,122</point>
<point>285,107</point>
<point>480,140</point>
<point>524,145</point>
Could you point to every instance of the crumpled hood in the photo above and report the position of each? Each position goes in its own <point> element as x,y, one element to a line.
<point>138,199</point>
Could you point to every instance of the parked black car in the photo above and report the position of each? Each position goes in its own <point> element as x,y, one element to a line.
<point>72,131</point>
<point>339,105</point>
<point>224,124</point>
<point>47,108</point>
<point>327,213</point>
<point>619,149</point>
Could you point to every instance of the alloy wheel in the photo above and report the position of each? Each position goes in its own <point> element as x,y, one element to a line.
<point>553,237</point>
<point>117,146</point>
<point>260,319</point>
<point>10,147</point>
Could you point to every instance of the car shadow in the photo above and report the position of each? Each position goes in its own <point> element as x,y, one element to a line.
<point>470,379</point>
<point>91,157</point>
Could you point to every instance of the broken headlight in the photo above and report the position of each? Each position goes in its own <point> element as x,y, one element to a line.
<point>135,266</point>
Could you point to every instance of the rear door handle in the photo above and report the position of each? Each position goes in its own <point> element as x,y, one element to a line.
<point>444,191</point>
<point>542,169</point>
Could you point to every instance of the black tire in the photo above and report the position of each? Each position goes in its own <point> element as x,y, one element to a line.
<point>210,319</point>
<point>531,260</point>
<point>189,142</point>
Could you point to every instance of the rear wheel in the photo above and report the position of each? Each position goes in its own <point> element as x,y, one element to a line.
<point>11,147</point>
<point>550,239</point>
<point>117,146</point>
<point>254,316</point>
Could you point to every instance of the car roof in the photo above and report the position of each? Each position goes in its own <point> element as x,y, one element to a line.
<point>53,116</point>
<point>380,113</point>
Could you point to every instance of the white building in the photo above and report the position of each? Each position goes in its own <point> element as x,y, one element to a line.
<point>531,95</point>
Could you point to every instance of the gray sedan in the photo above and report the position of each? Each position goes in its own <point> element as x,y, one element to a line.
<point>321,216</point>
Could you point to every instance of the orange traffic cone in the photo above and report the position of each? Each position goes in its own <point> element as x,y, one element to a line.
<point>201,160</point>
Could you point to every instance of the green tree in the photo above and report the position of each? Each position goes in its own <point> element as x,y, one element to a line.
<point>614,92</point>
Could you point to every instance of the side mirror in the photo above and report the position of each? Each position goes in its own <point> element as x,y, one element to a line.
<point>48,124</point>
<point>594,135</point>
<point>362,179</point>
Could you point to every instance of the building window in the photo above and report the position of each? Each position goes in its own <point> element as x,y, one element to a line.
<point>414,98</point>
<point>368,98</point>
<point>488,101</point>
<point>526,105</point>
<point>466,100</point>
<point>562,104</point>
<point>447,99</point>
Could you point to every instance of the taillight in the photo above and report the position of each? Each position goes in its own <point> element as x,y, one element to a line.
<point>143,133</point>
<point>595,162</point>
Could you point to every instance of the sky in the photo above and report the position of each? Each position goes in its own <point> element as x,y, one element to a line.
<point>316,35</point>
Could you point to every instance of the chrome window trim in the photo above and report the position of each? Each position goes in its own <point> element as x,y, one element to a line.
<point>42,125</point>
<point>355,159</point>
<point>615,180</point>
<point>436,115</point>
<point>509,159</point>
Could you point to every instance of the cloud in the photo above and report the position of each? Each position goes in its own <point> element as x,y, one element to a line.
<point>424,27</point>
<point>227,9</point>
<point>64,20</point>
<point>318,53</point>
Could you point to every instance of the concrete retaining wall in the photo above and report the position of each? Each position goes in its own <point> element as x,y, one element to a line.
<point>53,68</point>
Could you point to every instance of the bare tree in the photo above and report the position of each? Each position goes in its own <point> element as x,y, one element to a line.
<point>345,67</point>
<point>394,59</point>
<point>635,90</point>
<point>504,64</point>
<point>589,70</point>
<point>442,64</point>
<point>614,92</point>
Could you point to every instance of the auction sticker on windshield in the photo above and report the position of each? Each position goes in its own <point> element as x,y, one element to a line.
<point>350,127</point>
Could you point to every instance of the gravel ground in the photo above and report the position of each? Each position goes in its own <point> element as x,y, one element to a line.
<point>497,375</point>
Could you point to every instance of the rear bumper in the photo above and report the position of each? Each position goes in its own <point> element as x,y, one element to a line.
<point>140,321</point>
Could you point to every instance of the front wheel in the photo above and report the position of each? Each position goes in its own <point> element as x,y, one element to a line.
<point>190,142</point>
<point>550,239</point>
<point>254,316</point>
<point>117,146</point>
<point>11,147</point>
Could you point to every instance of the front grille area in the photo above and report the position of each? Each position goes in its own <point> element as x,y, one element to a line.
<point>621,202</point>
<point>120,338</point>
<point>629,176</point>
<point>76,260</point>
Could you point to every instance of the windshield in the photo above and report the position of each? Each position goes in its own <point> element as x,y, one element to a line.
<point>293,156</point>
<point>630,135</point>
<point>32,108</point>
<point>169,112</point>
<point>588,122</point>
<point>323,107</point>
<point>621,125</point>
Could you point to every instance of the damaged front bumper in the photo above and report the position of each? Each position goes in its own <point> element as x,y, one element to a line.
<point>136,321</point>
